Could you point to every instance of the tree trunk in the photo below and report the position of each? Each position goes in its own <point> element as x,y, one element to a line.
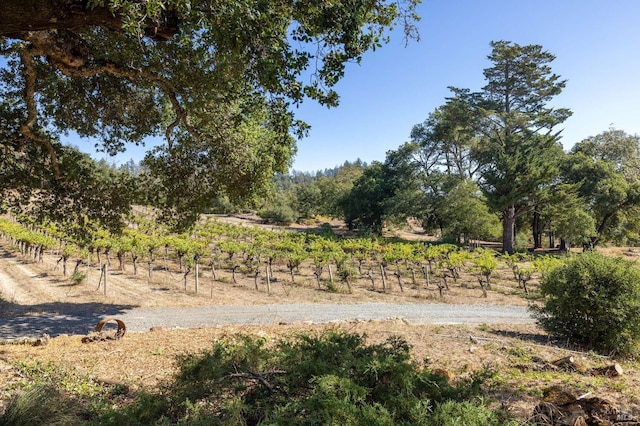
<point>563,245</point>
<point>213,269</point>
<point>399,276</point>
<point>98,251</point>
<point>256,277</point>
<point>233,274</point>
<point>318,273</point>
<point>120,257</point>
<point>614,370</point>
<point>370,275</point>
<point>536,227</point>
<point>508,225</point>
<point>151,259</point>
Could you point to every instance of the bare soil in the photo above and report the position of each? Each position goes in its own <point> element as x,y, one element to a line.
<point>146,360</point>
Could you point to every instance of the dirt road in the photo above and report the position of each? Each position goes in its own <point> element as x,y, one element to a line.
<point>142,319</point>
<point>34,325</point>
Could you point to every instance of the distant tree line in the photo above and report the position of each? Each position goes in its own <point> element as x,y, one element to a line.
<point>490,165</point>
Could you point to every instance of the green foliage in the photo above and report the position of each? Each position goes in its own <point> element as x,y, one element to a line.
<point>279,213</point>
<point>464,211</point>
<point>41,405</point>
<point>364,208</point>
<point>222,205</point>
<point>577,228</point>
<point>309,199</point>
<point>323,193</point>
<point>86,194</point>
<point>330,378</point>
<point>604,169</point>
<point>500,140</point>
<point>486,262</point>
<point>568,212</point>
<point>335,401</point>
<point>464,413</point>
<point>519,157</point>
<point>78,277</point>
<point>546,264</point>
<point>593,300</point>
<point>218,81</point>
<point>521,242</point>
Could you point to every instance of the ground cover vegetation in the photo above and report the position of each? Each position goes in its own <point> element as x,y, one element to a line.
<point>327,376</point>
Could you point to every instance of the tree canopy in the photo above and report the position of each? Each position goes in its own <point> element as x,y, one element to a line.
<point>502,140</point>
<point>217,80</point>
<point>606,171</point>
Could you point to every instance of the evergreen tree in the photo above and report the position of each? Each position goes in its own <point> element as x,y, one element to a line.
<point>519,150</point>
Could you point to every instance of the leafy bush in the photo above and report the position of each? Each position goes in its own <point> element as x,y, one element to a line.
<point>222,205</point>
<point>521,243</point>
<point>593,300</point>
<point>281,214</point>
<point>331,378</point>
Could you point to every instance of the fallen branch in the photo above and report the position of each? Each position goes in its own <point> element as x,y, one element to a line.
<point>262,377</point>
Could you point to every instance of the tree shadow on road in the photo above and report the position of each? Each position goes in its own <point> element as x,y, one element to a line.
<point>24,321</point>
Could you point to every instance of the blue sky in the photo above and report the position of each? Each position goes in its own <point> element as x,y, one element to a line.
<point>597,49</point>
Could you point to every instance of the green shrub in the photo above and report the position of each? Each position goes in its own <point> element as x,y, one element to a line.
<point>328,378</point>
<point>223,205</point>
<point>281,214</point>
<point>594,301</point>
<point>331,378</point>
<point>521,243</point>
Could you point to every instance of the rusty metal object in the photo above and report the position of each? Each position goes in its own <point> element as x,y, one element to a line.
<point>99,336</point>
<point>122,329</point>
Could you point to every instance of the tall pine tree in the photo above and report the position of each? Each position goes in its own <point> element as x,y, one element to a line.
<point>520,148</point>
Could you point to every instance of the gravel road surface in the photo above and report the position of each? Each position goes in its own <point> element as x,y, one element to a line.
<point>24,325</point>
